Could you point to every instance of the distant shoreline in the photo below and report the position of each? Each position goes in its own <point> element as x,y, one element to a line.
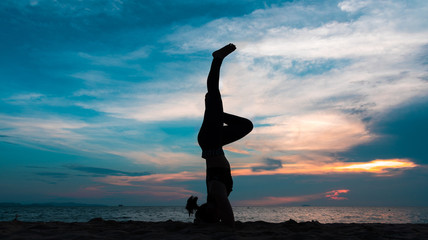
<point>53,204</point>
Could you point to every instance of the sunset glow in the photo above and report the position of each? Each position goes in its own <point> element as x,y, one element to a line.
<point>377,166</point>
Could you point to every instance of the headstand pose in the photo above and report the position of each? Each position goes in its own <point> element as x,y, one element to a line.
<point>218,129</point>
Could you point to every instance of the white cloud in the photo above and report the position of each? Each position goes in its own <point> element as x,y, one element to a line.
<point>352,5</point>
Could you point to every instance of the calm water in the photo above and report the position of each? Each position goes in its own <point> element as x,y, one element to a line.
<point>243,214</point>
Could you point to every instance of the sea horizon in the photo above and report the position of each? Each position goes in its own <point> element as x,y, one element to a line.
<point>272,214</point>
<point>79,204</point>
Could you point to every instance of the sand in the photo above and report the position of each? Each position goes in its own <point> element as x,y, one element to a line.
<point>101,229</point>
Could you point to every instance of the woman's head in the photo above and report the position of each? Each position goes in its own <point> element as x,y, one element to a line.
<point>204,213</point>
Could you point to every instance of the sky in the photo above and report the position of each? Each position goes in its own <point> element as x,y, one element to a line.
<point>101,100</point>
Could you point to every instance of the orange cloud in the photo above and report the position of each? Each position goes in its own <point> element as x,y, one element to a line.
<point>335,194</point>
<point>270,201</point>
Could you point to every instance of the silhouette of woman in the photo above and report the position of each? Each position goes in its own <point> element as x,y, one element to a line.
<point>218,129</point>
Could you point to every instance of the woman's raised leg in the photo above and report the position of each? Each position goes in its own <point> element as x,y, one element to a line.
<point>214,74</point>
<point>210,134</point>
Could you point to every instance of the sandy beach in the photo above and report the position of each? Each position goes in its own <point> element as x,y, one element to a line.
<point>102,229</point>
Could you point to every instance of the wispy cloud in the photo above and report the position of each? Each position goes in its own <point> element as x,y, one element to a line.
<point>105,171</point>
<point>24,97</point>
<point>235,150</point>
<point>153,178</point>
<point>42,130</point>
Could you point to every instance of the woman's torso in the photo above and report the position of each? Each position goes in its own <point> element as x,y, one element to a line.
<point>217,161</point>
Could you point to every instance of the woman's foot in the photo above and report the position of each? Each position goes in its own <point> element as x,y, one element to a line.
<point>224,51</point>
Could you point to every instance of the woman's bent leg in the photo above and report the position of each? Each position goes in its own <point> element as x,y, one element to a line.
<point>235,129</point>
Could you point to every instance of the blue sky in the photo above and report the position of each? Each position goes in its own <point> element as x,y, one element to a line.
<point>101,101</point>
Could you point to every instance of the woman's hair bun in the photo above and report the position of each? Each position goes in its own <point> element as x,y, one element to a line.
<point>192,204</point>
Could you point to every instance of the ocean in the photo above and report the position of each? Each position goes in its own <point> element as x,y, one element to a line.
<point>243,214</point>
